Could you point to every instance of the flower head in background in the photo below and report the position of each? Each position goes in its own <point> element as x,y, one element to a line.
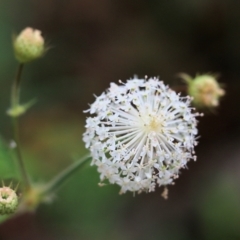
<point>8,200</point>
<point>204,89</point>
<point>142,133</point>
<point>28,45</point>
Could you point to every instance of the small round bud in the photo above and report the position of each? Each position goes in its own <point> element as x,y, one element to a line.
<point>204,89</point>
<point>8,200</point>
<point>28,45</point>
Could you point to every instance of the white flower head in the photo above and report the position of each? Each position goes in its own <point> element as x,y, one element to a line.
<point>142,134</point>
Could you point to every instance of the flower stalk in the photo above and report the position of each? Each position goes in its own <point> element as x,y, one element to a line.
<point>63,176</point>
<point>15,93</point>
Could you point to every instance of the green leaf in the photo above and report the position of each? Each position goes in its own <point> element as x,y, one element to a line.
<point>7,168</point>
<point>19,110</point>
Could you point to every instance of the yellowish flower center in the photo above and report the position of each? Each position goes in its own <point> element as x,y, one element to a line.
<point>153,124</point>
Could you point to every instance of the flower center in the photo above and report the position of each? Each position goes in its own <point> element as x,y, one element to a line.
<point>153,124</point>
<point>5,196</point>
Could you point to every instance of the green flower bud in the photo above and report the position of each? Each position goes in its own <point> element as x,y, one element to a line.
<point>28,45</point>
<point>204,89</point>
<point>8,200</point>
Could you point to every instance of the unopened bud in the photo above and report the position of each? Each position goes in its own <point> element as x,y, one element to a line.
<point>28,45</point>
<point>8,200</point>
<point>204,89</point>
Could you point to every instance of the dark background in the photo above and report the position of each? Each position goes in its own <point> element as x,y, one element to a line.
<point>93,43</point>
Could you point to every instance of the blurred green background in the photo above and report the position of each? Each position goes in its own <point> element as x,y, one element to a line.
<point>97,42</point>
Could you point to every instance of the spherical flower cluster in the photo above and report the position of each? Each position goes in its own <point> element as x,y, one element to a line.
<point>28,45</point>
<point>204,89</point>
<point>142,133</point>
<point>8,200</point>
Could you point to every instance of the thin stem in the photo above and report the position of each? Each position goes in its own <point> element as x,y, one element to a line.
<point>63,176</point>
<point>16,87</point>
<point>15,103</point>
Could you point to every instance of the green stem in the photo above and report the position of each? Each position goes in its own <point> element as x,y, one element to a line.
<point>15,102</point>
<point>16,87</point>
<point>63,176</point>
